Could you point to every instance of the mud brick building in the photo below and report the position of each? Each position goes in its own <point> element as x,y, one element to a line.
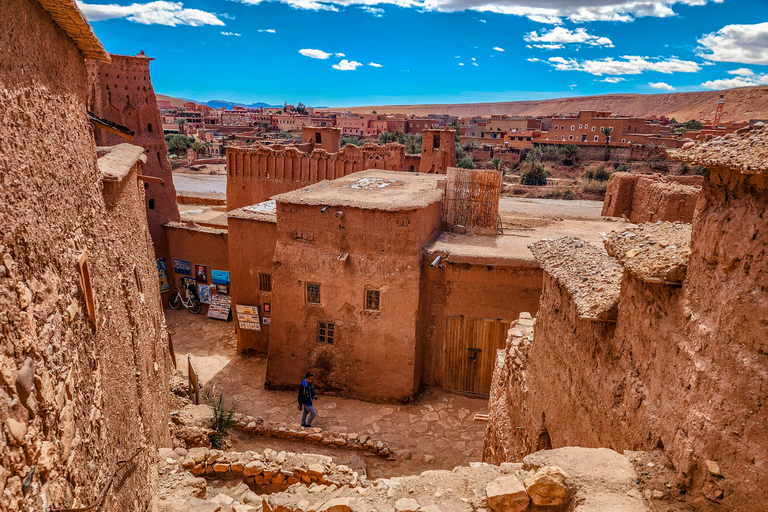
<point>652,197</point>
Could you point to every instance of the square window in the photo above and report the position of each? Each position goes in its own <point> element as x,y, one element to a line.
<point>313,293</point>
<point>570,137</point>
<point>265,282</point>
<point>372,299</point>
<point>325,332</point>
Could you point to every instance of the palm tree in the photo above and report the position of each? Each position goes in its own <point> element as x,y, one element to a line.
<point>454,125</point>
<point>181,122</point>
<point>496,163</point>
<point>607,132</point>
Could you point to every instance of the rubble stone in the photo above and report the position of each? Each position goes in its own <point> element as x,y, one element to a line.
<point>507,494</point>
<point>547,486</point>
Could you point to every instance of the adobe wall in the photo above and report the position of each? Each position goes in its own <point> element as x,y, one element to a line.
<point>685,368</point>
<point>471,290</point>
<point>256,173</point>
<point>200,245</point>
<point>652,197</point>
<point>251,251</point>
<point>121,91</point>
<point>438,151</point>
<point>375,353</point>
<point>72,402</point>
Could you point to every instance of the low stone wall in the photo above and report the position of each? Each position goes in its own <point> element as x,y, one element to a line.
<point>652,197</point>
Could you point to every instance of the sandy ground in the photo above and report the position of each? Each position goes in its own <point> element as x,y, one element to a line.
<point>200,183</point>
<point>436,432</point>
<point>551,208</point>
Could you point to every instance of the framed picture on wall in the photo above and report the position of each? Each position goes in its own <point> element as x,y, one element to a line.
<point>265,320</point>
<point>220,288</point>
<point>267,307</point>
<point>201,273</point>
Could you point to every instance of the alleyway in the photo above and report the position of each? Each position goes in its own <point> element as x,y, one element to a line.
<point>438,429</point>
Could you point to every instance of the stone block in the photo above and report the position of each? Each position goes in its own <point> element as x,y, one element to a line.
<point>221,467</point>
<point>336,505</point>
<point>547,486</point>
<point>237,466</point>
<point>407,505</point>
<point>198,454</point>
<point>253,468</point>
<point>507,494</point>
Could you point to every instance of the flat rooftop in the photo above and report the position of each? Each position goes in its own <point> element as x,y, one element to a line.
<point>261,212</point>
<point>511,248</point>
<point>372,189</point>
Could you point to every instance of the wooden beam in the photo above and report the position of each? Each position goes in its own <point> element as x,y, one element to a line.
<point>111,127</point>
<point>153,179</point>
<point>595,319</point>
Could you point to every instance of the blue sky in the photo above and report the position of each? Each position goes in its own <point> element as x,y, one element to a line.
<point>340,53</point>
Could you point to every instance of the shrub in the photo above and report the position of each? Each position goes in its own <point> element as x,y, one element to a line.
<point>593,187</point>
<point>597,174</point>
<point>569,153</point>
<point>560,193</point>
<point>699,170</point>
<point>683,169</point>
<point>223,415</point>
<point>536,176</point>
<point>623,168</point>
<point>466,163</point>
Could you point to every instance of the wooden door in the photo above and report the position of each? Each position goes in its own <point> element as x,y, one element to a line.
<point>470,352</point>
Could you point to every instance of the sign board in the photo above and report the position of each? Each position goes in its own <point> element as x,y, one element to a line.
<point>220,277</point>
<point>220,307</point>
<point>248,317</point>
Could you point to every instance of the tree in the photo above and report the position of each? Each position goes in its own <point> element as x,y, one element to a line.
<point>569,153</point>
<point>466,163</point>
<point>181,122</point>
<point>693,125</point>
<point>197,147</point>
<point>177,144</point>
<point>496,163</point>
<point>535,176</point>
<point>301,108</point>
<point>607,132</point>
<point>454,125</point>
<point>264,126</point>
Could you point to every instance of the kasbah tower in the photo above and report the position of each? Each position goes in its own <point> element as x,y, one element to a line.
<point>121,91</point>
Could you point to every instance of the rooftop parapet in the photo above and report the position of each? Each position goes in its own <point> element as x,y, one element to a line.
<point>655,253</point>
<point>69,18</point>
<point>591,276</point>
<point>745,150</point>
<point>264,212</point>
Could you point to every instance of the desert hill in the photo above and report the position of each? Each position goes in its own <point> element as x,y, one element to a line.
<point>741,104</point>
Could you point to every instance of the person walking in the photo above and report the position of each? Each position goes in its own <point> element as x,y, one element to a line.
<point>307,397</point>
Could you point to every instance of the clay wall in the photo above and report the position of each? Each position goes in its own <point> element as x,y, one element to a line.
<point>73,401</point>
<point>374,354</point>
<point>251,252</point>
<point>438,151</point>
<point>199,245</point>
<point>121,91</point>
<point>256,173</point>
<point>683,369</point>
<point>327,139</point>
<point>472,290</point>
<point>651,197</point>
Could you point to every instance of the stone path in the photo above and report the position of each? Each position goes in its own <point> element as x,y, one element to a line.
<point>437,430</point>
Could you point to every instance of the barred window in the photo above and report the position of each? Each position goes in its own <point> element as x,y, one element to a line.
<point>313,293</point>
<point>325,332</point>
<point>372,298</point>
<point>265,282</point>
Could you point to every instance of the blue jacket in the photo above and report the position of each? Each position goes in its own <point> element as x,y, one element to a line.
<point>306,393</point>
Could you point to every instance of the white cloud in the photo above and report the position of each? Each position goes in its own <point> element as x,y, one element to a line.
<point>498,49</point>
<point>661,85</point>
<point>461,63</point>
<point>550,12</point>
<point>532,59</point>
<point>268,30</point>
<point>315,54</point>
<point>475,64</point>
<point>746,44</point>
<point>740,81</point>
<point>339,54</point>
<point>560,35</point>
<point>613,80</point>
<point>482,21</point>
<point>572,86</point>
<point>474,58</point>
<point>547,46</point>
<point>346,65</point>
<point>630,65</point>
<point>373,10</point>
<point>152,13</point>
<point>375,65</point>
<point>230,34</point>
<point>741,72</point>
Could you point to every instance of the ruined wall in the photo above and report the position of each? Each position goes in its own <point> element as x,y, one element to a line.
<point>684,369</point>
<point>256,173</point>
<point>121,91</point>
<point>374,355</point>
<point>251,251</point>
<point>472,290</point>
<point>72,402</point>
<point>438,151</point>
<point>652,197</point>
<point>200,245</point>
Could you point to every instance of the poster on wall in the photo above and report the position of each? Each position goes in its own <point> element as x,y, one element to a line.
<point>220,277</point>
<point>248,317</point>
<point>265,320</point>
<point>222,289</point>
<point>201,273</point>
<point>182,267</point>
<point>220,307</point>
<point>162,275</point>
<point>204,293</point>
<point>267,307</point>
<point>187,283</point>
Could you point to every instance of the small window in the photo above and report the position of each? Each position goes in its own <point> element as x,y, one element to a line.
<point>149,127</point>
<point>265,282</point>
<point>586,126</point>
<point>151,204</point>
<point>570,137</point>
<point>623,140</point>
<point>436,141</point>
<point>318,138</point>
<point>580,127</point>
<point>573,127</point>
<point>326,332</point>
<point>313,293</point>
<point>595,138</point>
<point>593,128</point>
<point>372,298</point>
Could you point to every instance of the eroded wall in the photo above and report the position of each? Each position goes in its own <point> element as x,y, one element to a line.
<point>72,401</point>
<point>652,197</point>
<point>374,355</point>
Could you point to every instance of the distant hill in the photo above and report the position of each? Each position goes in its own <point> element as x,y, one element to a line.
<point>741,104</point>
<point>178,102</point>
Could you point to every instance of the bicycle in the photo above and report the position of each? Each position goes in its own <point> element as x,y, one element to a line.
<point>175,301</point>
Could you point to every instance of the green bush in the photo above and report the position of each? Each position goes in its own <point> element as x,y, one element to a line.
<point>560,193</point>
<point>594,186</point>
<point>623,168</point>
<point>536,176</point>
<point>597,174</point>
<point>683,169</point>
<point>223,415</point>
<point>466,163</point>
